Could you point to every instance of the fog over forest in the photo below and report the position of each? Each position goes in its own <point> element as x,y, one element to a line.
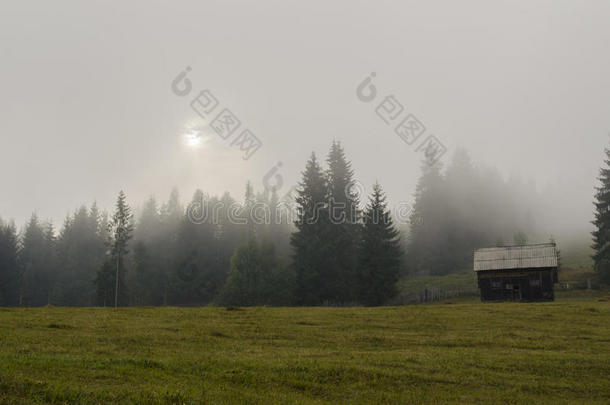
<point>88,109</point>
<point>142,137</point>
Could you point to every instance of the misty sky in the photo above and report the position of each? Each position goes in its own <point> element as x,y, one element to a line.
<point>87,108</point>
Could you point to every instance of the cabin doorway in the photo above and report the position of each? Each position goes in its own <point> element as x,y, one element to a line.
<point>516,292</point>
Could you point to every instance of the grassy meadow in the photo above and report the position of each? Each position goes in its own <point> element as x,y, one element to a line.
<point>461,353</point>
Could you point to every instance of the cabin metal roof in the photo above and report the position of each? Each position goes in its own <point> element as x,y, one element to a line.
<point>516,257</point>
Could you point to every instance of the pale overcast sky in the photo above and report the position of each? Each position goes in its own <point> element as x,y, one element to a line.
<point>87,107</point>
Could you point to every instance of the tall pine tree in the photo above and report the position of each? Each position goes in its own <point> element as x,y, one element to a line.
<point>380,253</point>
<point>310,250</point>
<point>196,278</point>
<point>9,272</point>
<point>111,276</point>
<point>427,249</point>
<point>37,264</point>
<point>343,231</point>
<point>601,235</point>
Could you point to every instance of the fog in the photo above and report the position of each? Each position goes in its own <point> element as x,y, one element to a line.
<point>88,108</point>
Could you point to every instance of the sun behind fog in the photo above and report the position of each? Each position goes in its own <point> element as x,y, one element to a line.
<point>193,139</point>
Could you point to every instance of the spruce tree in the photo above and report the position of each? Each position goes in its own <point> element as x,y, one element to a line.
<point>9,272</point>
<point>427,251</point>
<point>122,228</point>
<point>50,259</point>
<point>343,231</point>
<point>112,273</point>
<point>37,264</point>
<point>601,235</point>
<point>309,241</point>
<point>30,262</point>
<point>463,215</point>
<point>196,279</point>
<point>379,253</point>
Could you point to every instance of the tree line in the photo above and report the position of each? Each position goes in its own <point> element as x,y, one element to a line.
<point>165,257</point>
<point>334,250</point>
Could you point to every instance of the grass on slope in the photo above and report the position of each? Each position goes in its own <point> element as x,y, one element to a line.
<point>456,285</point>
<point>471,353</point>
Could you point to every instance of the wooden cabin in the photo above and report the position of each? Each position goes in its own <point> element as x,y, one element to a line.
<point>517,273</point>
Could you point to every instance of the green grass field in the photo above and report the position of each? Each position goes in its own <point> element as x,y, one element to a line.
<point>464,353</point>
